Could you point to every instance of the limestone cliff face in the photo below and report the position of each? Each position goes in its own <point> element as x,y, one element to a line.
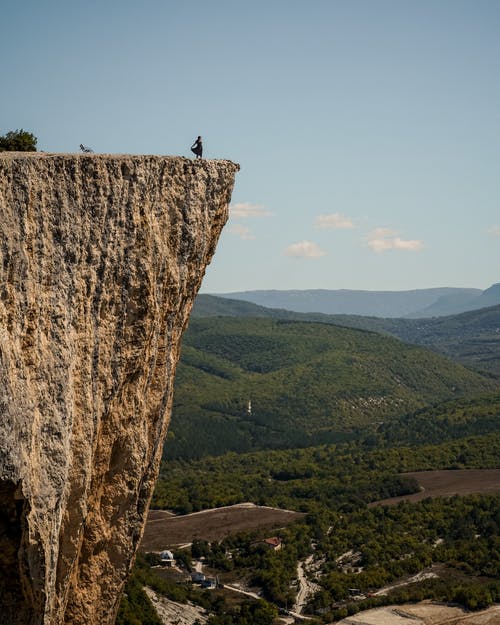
<point>100,259</point>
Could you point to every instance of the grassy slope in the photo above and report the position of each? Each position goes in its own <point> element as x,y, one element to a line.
<point>308,383</point>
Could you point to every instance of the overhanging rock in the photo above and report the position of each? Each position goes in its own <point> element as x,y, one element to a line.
<point>101,257</point>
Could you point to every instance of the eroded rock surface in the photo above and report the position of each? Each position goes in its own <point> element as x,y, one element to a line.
<point>100,259</point>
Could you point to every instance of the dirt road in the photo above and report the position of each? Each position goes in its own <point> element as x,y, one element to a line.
<point>306,587</point>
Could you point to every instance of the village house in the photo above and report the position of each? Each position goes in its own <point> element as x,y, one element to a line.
<point>197,577</point>
<point>167,558</point>
<point>273,543</point>
<point>209,582</point>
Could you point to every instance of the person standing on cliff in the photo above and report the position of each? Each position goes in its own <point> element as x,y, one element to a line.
<point>197,148</point>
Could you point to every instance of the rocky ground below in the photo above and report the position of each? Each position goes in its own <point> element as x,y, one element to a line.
<point>173,613</point>
<point>424,613</point>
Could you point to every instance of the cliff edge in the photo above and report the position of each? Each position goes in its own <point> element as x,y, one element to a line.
<point>101,257</point>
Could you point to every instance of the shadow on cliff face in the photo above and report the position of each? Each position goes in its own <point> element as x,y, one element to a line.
<point>12,510</point>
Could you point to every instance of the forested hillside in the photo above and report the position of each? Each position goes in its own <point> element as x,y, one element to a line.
<point>472,338</point>
<point>307,383</point>
<point>459,434</point>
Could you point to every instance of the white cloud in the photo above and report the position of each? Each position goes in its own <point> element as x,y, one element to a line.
<point>335,220</point>
<point>304,249</point>
<point>243,210</point>
<point>495,231</point>
<point>383,239</point>
<point>242,231</point>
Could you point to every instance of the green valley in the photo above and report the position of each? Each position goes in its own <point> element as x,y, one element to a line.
<point>245,384</point>
<point>336,423</point>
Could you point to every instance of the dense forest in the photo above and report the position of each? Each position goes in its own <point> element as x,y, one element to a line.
<point>472,338</point>
<point>332,476</point>
<point>308,383</point>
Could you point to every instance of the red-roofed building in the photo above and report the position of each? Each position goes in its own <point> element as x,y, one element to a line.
<point>273,543</point>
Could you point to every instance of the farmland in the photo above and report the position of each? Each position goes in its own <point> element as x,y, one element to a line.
<point>165,530</point>
<point>448,483</point>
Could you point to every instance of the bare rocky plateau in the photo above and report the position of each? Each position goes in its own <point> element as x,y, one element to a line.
<point>101,257</point>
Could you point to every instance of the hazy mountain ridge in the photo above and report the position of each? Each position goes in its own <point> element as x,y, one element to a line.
<point>461,302</point>
<point>411,303</point>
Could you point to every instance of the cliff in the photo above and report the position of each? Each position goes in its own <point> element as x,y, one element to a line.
<point>100,259</point>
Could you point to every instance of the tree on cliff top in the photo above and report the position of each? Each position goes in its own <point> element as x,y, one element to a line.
<point>18,141</point>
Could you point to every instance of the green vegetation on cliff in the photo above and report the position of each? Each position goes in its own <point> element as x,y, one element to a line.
<point>18,141</point>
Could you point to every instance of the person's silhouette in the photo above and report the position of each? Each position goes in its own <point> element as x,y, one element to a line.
<point>197,148</point>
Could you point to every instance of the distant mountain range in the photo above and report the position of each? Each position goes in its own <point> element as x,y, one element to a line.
<point>419,303</point>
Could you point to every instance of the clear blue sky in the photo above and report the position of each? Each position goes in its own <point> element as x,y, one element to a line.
<point>368,131</point>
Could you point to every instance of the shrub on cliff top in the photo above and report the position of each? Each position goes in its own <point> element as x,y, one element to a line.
<point>18,141</point>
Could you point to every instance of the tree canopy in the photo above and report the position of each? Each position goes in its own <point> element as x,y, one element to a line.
<point>18,141</point>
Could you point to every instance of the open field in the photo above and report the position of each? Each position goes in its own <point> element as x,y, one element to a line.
<point>448,483</point>
<point>424,613</point>
<point>165,530</point>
